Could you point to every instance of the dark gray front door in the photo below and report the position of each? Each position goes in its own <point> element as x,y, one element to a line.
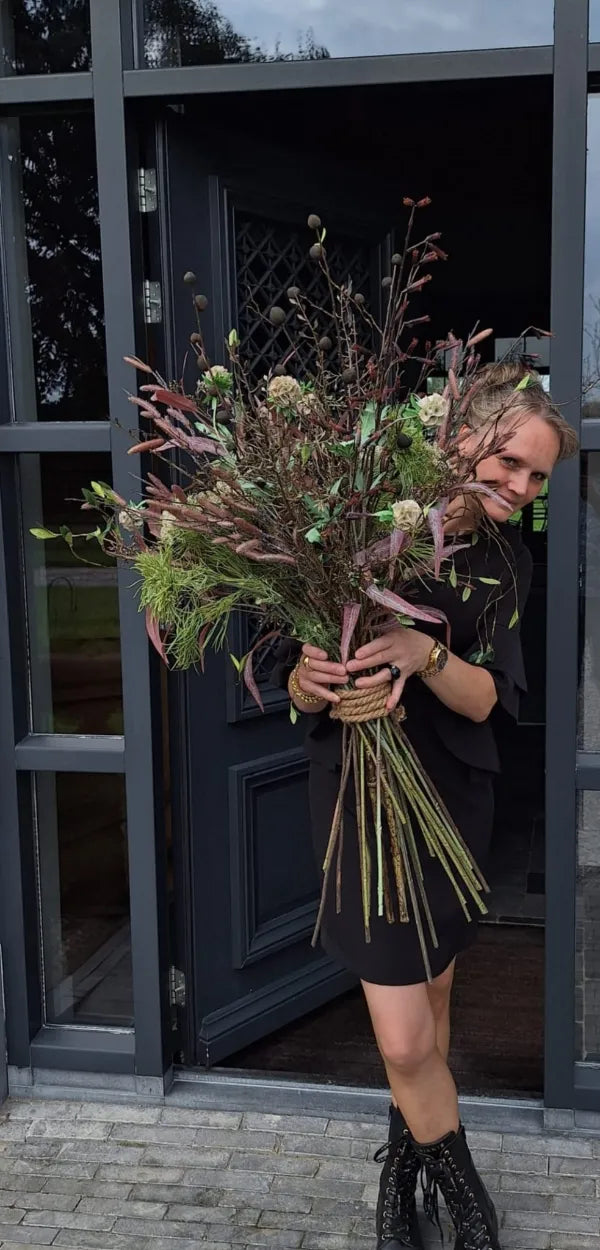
<point>238,220</point>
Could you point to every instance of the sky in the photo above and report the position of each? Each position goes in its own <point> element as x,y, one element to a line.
<point>378,27</point>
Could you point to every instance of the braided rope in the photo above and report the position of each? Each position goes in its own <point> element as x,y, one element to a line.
<point>357,706</point>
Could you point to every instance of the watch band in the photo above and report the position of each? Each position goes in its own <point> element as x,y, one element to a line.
<point>438,659</point>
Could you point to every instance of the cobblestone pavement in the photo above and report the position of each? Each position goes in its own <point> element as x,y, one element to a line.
<point>96,1176</point>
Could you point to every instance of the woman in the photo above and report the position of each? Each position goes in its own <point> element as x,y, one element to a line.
<point>448,697</point>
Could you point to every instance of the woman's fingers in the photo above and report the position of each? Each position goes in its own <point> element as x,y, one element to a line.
<point>314,653</point>
<point>382,655</point>
<point>396,694</point>
<point>320,692</point>
<point>377,679</point>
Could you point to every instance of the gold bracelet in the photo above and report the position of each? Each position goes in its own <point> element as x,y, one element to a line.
<point>295,690</point>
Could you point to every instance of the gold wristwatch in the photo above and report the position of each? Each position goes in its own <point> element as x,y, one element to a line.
<point>438,659</point>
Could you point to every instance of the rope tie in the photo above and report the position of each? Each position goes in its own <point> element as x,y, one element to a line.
<point>357,705</point>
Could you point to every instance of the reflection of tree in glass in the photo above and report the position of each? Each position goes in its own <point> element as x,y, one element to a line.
<point>194,32</point>
<point>50,36</point>
<point>60,209</point>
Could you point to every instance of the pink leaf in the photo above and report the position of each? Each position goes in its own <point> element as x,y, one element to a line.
<point>480,489</point>
<point>398,542</point>
<point>389,599</point>
<point>173,399</point>
<point>249,679</point>
<point>147,408</point>
<point>153,631</point>
<point>435,521</point>
<point>349,623</point>
<point>138,364</point>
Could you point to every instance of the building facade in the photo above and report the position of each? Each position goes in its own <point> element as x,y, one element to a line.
<point>157,885</point>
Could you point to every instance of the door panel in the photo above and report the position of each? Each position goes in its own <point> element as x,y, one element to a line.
<point>253,885</point>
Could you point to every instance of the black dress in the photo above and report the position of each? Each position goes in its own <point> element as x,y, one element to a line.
<point>459,755</point>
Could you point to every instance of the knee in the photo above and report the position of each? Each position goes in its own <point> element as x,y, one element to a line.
<point>408,1049</point>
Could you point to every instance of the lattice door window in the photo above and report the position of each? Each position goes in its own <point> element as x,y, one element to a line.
<point>271,257</point>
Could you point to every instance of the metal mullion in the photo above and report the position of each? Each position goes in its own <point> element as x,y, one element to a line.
<point>339,72</point>
<point>587,773</point>
<point>71,753</point>
<point>590,434</point>
<point>20,89</point>
<point>568,218</point>
<point>146,850</point>
<point>54,436</point>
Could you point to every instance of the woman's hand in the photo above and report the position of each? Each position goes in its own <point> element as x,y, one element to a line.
<point>408,649</point>
<point>317,673</point>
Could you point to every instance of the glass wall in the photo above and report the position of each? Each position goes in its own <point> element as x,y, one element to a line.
<point>200,32</point>
<point>44,36</point>
<point>84,898</point>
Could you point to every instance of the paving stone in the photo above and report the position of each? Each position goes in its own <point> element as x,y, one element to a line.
<point>11,1215</point>
<point>192,1156</point>
<point>42,1109</point>
<point>47,1167</point>
<point>150,1134</point>
<point>139,1174</point>
<point>120,1113</point>
<point>507,1161</point>
<point>188,1117</point>
<point>200,1214</point>
<point>311,1223</point>
<point>313,1124</point>
<point>81,1240</point>
<point>551,1221</point>
<point>240,1139</point>
<point>561,1146</point>
<point>245,1182</point>
<point>177,1193</point>
<point>369,1130</point>
<point>293,1165</point>
<point>124,1207</point>
<point>576,1186</point>
<point>575,1167</point>
<point>100,1152</point>
<point>69,1130</point>
<point>316,1185</point>
<point>71,1219</point>
<point>17,1233</point>
<point>332,1147</point>
<point>42,1202</point>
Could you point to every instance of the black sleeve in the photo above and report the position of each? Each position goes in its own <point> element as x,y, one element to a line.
<point>286,658</point>
<point>500,632</point>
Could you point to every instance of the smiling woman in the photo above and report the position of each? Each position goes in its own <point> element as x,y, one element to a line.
<point>187,32</point>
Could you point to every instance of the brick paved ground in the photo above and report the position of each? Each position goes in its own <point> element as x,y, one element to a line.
<point>127,1177</point>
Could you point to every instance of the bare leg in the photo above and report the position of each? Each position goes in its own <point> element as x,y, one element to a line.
<point>439,992</point>
<point>420,1080</point>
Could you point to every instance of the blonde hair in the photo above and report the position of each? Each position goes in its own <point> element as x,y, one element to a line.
<point>494,393</point>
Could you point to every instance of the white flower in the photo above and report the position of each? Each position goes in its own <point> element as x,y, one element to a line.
<point>284,392</point>
<point>432,409</point>
<point>408,514</point>
<point>217,379</point>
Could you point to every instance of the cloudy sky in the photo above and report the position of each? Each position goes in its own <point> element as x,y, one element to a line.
<point>377,27</point>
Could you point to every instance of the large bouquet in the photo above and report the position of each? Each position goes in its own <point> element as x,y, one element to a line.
<point>313,498</point>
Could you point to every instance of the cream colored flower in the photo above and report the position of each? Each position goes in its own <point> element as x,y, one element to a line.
<point>408,514</point>
<point>167,525</point>
<point>217,378</point>
<point>432,409</point>
<point>129,521</point>
<point>284,392</point>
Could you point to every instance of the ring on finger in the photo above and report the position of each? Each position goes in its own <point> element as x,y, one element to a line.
<point>306,661</point>
<point>395,672</point>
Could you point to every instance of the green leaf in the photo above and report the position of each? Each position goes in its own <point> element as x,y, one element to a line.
<point>466,594</point>
<point>239,665</point>
<point>453,578</point>
<point>293,714</point>
<point>524,383</point>
<point>367,422</point>
<point>233,339</point>
<point>67,535</point>
<point>514,619</point>
<point>482,657</point>
<point>42,533</point>
<point>313,535</point>
<point>319,511</point>
<point>474,538</point>
<point>344,449</point>
<point>489,581</point>
<point>336,486</point>
<point>98,489</point>
<point>305,452</point>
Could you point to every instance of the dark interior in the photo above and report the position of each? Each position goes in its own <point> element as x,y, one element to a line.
<point>482,151</point>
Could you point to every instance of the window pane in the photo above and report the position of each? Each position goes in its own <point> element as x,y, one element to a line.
<point>200,32</point>
<point>53,269</point>
<point>84,898</point>
<point>587,982</point>
<point>73,611</point>
<point>591,350</point>
<point>45,36</point>
<point>595,20</point>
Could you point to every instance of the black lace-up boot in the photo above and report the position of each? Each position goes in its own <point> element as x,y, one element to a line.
<point>397,1224</point>
<point>450,1170</point>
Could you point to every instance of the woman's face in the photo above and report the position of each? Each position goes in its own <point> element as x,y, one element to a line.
<point>518,471</point>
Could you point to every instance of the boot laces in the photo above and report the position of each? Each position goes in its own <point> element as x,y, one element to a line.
<point>462,1204</point>
<point>399,1196</point>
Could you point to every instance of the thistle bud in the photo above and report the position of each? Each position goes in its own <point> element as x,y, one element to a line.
<point>201,303</point>
<point>293,292</point>
<point>386,282</point>
<point>348,375</point>
<point>325,343</point>
<point>359,298</point>
<point>190,278</point>
<point>279,371</point>
<point>276,316</point>
<point>314,222</point>
<point>202,363</point>
<point>408,203</point>
<point>317,251</point>
<point>195,338</point>
<point>396,259</point>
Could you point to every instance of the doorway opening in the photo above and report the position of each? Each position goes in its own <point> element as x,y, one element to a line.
<point>483,152</point>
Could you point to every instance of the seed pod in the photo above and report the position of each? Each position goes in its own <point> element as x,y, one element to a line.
<point>317,251</point>
<point>190,278</point>
<point>348,375</point>
<point>276,316</point>
<point>279,371</point>
<point>396,259</point>
<point>293,292</point>
<point>325,344</point>
<point>202,363</point>
<point>314,222</point>
<point>201,303</point>
<point>195,337</point>
<point>359,298</point>
<point>403,442</point>
<point>386,282</point>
